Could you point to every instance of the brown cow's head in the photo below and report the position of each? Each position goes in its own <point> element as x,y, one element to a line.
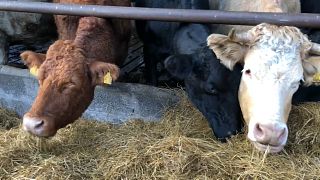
<point>276,59</point>
<point>67,81</point>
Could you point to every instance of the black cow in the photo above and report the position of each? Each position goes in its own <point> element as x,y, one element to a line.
<point>309,93</point>
<point>211,87</point>
<point>311,6</point>
<point>162,39</point>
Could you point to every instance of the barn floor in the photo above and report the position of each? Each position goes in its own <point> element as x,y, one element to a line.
<point>180,146</point>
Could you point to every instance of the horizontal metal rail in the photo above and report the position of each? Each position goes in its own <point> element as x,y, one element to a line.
<point>179,15</point>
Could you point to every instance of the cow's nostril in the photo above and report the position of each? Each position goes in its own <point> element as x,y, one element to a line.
<point>258,131</point>
<point>32,123</point>
<point>38,124</point>
<point>282,134</point>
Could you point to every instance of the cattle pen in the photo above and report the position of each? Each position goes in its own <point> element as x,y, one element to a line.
<point>135,13</point>
<point>161,14</point>
<point>178,145</point>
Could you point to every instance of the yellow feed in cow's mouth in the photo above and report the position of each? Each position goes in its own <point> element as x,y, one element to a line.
<point>34,71</point>
<point>316,77</point>
<point>107,79</point>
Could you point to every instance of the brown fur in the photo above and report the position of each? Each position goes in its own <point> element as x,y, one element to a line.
<point>87,50</point>
<point>33,59</point>
<point>65,89</point>
<point>277,6</point>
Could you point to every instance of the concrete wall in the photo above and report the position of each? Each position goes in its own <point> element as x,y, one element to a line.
<point>117,103</point>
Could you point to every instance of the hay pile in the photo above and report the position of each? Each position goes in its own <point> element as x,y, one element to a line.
<point>181,146</point>
<point>8,120</point>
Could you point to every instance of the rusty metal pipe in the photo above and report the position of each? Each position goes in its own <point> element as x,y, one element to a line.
<point>181,15</point>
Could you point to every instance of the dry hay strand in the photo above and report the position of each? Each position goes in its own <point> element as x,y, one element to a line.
<point>180,146</point>
<point>8,119</point>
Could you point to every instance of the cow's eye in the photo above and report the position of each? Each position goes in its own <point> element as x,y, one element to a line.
<point>247,72</point>
<point>71,85</point>
<point>211,88</point>
<point>212,91</point>
<point>67,87</point>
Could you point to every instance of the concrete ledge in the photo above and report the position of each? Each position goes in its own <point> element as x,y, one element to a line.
<point>117,103</point>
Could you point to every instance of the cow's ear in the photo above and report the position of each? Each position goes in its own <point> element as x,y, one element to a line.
<point>33,61</point>
<point>179,66</point>
<point>229,52</point>
<point>103,73</point>
<point>311,68</point>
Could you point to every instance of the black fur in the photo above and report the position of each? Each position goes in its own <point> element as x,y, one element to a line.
<point>162,39</point>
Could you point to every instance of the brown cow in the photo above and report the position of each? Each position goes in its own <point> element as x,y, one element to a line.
<point>85,53</point>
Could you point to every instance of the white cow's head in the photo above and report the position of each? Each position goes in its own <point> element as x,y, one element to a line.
<point>276,59</point>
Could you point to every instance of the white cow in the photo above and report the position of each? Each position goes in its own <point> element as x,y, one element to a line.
<point>276,59</point>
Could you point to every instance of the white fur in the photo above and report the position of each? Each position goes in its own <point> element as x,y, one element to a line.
<point>285,6</point>
<point>276,68</point>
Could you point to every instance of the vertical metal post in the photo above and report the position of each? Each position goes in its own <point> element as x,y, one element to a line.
<point>3,49</point>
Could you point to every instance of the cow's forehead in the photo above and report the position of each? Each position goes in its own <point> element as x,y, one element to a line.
<point>64,62</point>
<point>272,67</point>
<point>280,39</point>
<point>277,52</point>
<point>65,55</point>
<point>269,31</point>
<point>275,63</point>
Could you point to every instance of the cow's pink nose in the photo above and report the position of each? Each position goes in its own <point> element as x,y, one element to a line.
<point>274,134</point>
<point>33,125</point>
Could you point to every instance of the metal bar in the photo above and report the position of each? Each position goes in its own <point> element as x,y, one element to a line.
<point>181,15</point>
